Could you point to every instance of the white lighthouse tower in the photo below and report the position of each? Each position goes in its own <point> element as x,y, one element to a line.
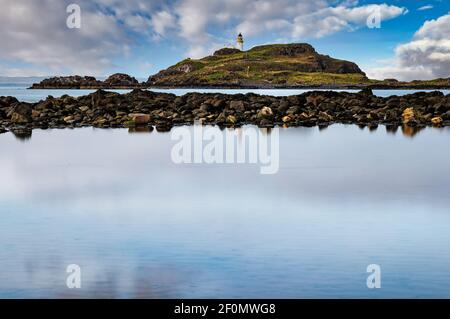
<point>240,42</point>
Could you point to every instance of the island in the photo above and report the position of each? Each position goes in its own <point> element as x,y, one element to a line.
<point>276,66</point>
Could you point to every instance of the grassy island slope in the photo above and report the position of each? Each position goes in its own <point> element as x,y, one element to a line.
<point>277,64</point>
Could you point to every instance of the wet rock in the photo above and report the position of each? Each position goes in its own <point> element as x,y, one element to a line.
<point>141,108</point>
<point>69,119</point>
<point>287,119</point>
<point>409,116</point>
<point>140,119</point>
<point>84,109</point>
<point>231,119</point>
<point>436,121</point>
<point>239,106</point>
<point>293,110</point>
<point>35,114</point>
<point>20,113</point>
<point>206,107</point>
<point>325,117</point>
<point>304,116</point>
<point>265,113</point>
<point>221,119</point>
<point>266,123</point>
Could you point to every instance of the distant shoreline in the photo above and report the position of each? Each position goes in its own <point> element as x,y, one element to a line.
<point>245,87</point>
<point>121,81</point>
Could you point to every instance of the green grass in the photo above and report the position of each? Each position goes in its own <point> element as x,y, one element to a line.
<point>261,65</point>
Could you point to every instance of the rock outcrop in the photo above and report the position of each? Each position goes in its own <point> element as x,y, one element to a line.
<point>68,82</point>
<point>121,80</point>
<point>20,113</point>
<point>117,81</point>
<point>146,108</point>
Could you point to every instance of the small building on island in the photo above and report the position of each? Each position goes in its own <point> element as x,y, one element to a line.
<point>240,42</point>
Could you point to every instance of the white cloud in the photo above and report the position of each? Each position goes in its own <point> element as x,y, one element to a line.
<point>161,22</point>
<point>34,36</point>
<point>290,19</point>
<point>427,7</point>
<point>197,51</point>
<point>426,56</point>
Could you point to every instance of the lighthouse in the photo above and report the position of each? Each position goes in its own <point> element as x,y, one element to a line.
<point>240,42</point>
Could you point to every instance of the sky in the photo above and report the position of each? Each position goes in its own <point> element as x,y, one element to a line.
<point>141,37</point>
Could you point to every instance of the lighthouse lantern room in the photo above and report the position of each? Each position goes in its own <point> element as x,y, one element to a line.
<point>240,42</point>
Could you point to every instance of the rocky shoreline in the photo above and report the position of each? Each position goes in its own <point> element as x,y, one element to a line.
<point>125,83</point>
<point>142,108</point>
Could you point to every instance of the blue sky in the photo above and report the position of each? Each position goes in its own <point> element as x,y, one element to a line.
<point>141,37</point>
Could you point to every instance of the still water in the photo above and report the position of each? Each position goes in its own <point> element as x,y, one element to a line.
<point>21,92</point>
<point>140,225</point>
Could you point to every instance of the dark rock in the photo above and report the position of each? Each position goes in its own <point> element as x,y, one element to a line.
<point>141,107</point>
<point>239,106</point>
<point>20,113</point>
<point>226,51</point>
<point>68,82</point>
<point>118,80</point>
<point>121,80</point>
<point>366,91</point>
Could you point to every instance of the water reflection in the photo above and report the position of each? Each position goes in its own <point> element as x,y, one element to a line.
<point>25,134</point>
<point>411,131</point>
<point>22,134</point>
<point>141,226</point>
<point>140,129</point>
<point>392,129</point>
<point>163,128</point>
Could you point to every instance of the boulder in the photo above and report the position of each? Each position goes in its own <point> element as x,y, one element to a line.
<point>265,113</point>
<point>231,119</point>
<point>84,109</point>
<point>140,119</point>
<point>286,119</point>
<point>325,117</point>
<point>20,113</point>
<point>69,119</point>
<point>436,121</point>
<point>237,105</point>
<point>408,116</point>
